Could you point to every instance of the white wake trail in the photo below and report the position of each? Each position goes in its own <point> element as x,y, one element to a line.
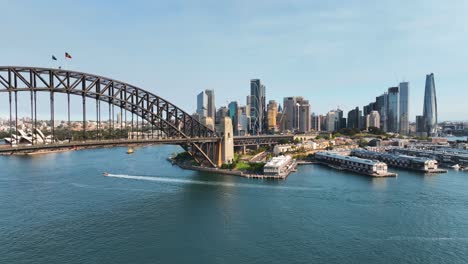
<point>212,183</point>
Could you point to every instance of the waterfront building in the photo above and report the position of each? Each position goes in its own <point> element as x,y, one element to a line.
<point>257,107</point>
<point>358,165</point>
<point>278,166</point>
<point>211,109</point>
<point>202,104</point>
<point>272,113</point>
<point>430,106</point>
<point>398,160</point>
<point>393,110</point>
<point>404,107</point>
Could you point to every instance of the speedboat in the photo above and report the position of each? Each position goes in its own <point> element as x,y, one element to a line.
<point>456,167</point>
<point>105,173</point>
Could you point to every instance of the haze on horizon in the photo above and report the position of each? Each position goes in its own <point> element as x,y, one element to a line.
<point>334,53</point>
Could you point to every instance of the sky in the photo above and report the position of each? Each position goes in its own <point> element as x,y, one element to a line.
<point>334,53</point>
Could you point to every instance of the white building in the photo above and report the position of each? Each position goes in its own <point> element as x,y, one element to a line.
<point>278,166</point>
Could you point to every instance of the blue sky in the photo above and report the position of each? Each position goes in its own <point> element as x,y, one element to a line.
<point>335,53</point>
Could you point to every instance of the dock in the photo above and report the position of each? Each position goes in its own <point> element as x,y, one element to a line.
<point>367,167</point>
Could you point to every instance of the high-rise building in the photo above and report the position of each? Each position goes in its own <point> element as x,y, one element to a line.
<point>233,114</point>
<point>430,106</point>
<point>304,116</point>
<point>373,119</point>
<point>211,109</point>
<point>421,126</point>
<point>202,104</point>
<point>332,120</point>
<point>341,122</point>
<point>272,113</point>
<point>404,108</point>
<point>290,113</point>
<point>369,108</point>
<point>393,110</point>
<point>381,106</point>
<point>296,112</point>
<point>316,122</point>
<point>257,107</point>
<point>354,118</point>
<point>220,114</point>
<point>247,106</point>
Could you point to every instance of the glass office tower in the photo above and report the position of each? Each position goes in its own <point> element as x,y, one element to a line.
<point>404,108</point>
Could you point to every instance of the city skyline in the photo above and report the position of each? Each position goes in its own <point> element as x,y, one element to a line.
<point>305,62</point>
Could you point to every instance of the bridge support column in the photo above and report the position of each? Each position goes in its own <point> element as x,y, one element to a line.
<point>226,146</point>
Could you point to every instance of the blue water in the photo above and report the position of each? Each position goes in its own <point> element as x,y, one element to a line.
<point>58,208</point>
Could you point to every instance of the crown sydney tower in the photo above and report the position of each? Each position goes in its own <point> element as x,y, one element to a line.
<point>430,106</point>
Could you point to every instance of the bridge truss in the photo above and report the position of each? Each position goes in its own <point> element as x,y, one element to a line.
<point>160,114</point>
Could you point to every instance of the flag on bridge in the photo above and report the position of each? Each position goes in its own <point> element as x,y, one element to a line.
<point>54,58</point>
<point>67,55</point>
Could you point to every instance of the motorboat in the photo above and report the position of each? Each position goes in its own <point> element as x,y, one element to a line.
<point>105,173</point>
<point>456,167</point>
<point>130,150</point>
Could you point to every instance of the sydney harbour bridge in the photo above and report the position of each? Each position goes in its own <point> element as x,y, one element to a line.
<point>204,144</point>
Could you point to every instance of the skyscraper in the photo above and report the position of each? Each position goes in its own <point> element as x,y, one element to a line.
<point>202,104</point>
<point>393,110</point>
<point>290,113</point>
<point>234,115</point>
<point>420,126</point>
<point>381,107</point>
<point>373,120</point>
<point>257,107</point>
<point>354,117</point>
<point>332,120</point>
<point>430,106</point>
<point>316,122</point>
<point>404,108</point>
<point>304,116</point>
<point>272,113</point>
<point>211,109</point>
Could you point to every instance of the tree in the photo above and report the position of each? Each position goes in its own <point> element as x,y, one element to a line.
<point>375,131</point>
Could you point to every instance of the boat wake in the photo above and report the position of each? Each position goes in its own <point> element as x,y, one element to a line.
<point>211,183</point>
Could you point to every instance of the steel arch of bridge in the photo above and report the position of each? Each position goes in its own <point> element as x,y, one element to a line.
<point>167,117</point>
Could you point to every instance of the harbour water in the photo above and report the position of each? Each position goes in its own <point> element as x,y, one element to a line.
<point>59,208</point>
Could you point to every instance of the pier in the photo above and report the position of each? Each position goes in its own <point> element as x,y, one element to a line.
<point>354,164</point>
<point>401,161</point>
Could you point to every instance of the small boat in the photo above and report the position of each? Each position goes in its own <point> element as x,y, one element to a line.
<point>105,173</point>
<point>456,167</point>
<point>130,150</point>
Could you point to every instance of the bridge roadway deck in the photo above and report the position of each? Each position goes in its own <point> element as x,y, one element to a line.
<point>238,141</point>
<point>7,149</point>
